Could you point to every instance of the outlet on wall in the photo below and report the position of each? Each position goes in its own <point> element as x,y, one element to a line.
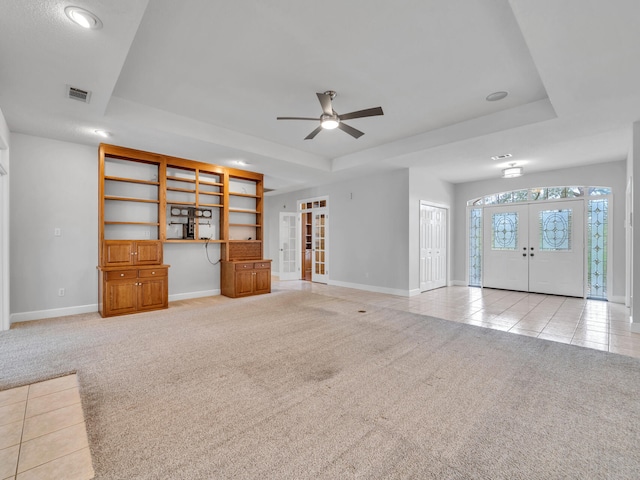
<point>61,292</point>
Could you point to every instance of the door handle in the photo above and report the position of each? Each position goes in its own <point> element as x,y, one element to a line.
<point>532,254</point>
<point>524,254</point>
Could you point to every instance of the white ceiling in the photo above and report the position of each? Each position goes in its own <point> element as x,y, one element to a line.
<point>206,80</point>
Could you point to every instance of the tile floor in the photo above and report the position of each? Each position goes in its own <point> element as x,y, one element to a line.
<point>588,323</point>
<point>42,432</point>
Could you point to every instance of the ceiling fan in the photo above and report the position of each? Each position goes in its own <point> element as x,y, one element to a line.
<point>330,119</point>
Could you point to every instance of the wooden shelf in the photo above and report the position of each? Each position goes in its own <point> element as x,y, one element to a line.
<point>130,199</point>
<point>242,210</point>
<point>219,205</point>
<point>244,225</point>
<point>149,224</point>
<point>185,190</point>
<point>180,179</point>
<point>131,180</point>
<point>237,194</point>
<point>213,184</point>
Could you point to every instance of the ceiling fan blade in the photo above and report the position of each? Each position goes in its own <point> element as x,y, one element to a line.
<point>325,101</point>
<point>314,133</point>
<point>369,112</point>
<point>350,130</point>
<point>296,118</point>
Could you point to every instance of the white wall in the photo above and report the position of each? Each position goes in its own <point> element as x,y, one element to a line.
<point>634,166</point>
<point>611,174</point>
<point>4,225</point>
<point>368,225</point>
<point>54,184</point>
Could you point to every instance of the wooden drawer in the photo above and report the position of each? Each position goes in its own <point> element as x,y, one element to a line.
<point>262,265</point>
<point>244,266</point>
<point>152,272</point>
<point>121,274</point>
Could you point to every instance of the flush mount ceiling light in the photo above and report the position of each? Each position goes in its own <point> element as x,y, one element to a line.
<point>501,157</point>
<point>495,96</point>
<point>512,171</point>
<point>83,17</point>
<point>102,133</point>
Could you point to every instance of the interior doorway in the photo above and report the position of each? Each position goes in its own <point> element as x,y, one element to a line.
<point>313,215</point>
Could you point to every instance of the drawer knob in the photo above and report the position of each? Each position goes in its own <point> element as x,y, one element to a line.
<point>122,274</point>
<point>153,273</point>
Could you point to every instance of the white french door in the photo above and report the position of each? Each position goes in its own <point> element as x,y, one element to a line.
<point>319,249</point>
<point>536,247</point>
<point>288,246</point>
<point>433,247</point>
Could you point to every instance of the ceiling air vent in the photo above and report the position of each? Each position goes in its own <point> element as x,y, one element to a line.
<point>78,94</point>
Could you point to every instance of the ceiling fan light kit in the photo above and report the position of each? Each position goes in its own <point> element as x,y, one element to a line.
<point>330,119</point>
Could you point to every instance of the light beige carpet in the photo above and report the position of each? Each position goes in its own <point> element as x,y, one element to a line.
<point>300,385</point>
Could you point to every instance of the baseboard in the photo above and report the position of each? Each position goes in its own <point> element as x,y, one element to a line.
<point>617,299</point>
<point>458,283</point>
<point>52,313</point>
<point>188,295</point>
<point>371,288</point>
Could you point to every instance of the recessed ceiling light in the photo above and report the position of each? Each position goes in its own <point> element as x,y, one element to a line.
<point>241,163</point>
<point>102,133</point>
<point>495,96</point>
<point>83,17</point>
<point>501,157</point>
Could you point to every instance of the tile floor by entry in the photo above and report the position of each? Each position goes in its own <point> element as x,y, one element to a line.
<point>588,323</point>
<point>42,432</point>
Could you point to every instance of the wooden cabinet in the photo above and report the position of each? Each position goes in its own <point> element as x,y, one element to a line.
<point>147,199</point>
<point>129,290</point>
<point>243,278</point>
<point>116,253</point>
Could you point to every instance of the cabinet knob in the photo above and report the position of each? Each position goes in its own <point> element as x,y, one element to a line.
<point>122,274</point>
<point>153,273</point>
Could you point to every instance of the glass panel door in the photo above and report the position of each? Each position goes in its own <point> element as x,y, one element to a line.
<point>288,250</point>
<point>505,252</point>
<point>319,271</point>
<point>556,248</point>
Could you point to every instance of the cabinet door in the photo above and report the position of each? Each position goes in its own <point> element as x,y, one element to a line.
<point>244,283</point>
<point>148,253</point>
<point>117,253</point>
<point>262,279</point>
<point>120,297</point>
<point>152,294</point>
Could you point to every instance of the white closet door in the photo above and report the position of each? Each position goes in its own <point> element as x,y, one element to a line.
<point>288,246</point>
<point>433,247</point>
